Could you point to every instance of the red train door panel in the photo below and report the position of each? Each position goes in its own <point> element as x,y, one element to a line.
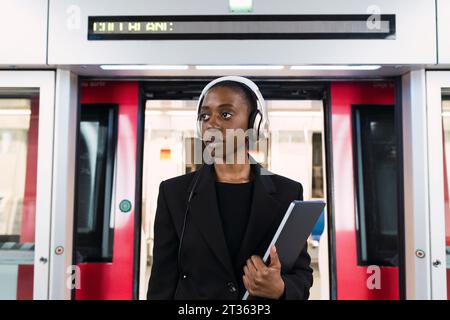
<point>353,279</point>
<point>106,183</point>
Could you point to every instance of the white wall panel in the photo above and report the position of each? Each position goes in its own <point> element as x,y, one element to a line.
<point>414,44</point>
<point>23,32</point>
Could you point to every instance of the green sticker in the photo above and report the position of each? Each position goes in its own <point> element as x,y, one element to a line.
<point>125,205</point>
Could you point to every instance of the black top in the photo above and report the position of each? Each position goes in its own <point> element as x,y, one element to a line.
<point>234,203</point>
<point>206,268</point>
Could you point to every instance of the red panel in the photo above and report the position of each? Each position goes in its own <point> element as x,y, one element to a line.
<point>351,278</point>
<point>27,227</point>
<point>448,284</point>
<point>29,202</point>
<point>114,280</point>
<point>25,278</point>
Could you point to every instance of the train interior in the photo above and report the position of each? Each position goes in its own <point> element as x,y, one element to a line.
<point>295,145</point>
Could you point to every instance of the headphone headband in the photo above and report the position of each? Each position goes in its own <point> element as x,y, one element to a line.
<point>263,126</point>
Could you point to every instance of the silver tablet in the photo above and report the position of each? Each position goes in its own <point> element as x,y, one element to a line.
<point>293,231</point>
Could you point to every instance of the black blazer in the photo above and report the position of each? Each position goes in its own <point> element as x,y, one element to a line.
<point>208,272</point>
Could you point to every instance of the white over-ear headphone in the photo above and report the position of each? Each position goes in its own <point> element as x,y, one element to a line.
<point>258,121</point>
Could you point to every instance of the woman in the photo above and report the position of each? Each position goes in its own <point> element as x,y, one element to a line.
<point>213,226</point>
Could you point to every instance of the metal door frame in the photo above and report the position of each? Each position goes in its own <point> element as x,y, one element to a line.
<point>435,81</point>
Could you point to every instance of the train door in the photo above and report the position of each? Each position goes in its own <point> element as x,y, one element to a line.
<point>106,206</point>
<point>438,110</point>
<point>26,151</point>
<point>295,150</point>
<point>366,192</point>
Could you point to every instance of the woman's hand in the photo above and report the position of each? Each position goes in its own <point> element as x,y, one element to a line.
<point>264,281</point>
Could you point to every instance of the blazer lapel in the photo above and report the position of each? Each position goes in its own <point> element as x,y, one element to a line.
<point>264,211</point>
<point>205,214</point>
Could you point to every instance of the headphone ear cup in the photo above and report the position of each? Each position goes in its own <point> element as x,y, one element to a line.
<point>251,119</point>
<point>263,129</point>
<point>254,123</point>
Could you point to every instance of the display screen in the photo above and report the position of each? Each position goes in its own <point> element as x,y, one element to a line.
<point>241,27</point>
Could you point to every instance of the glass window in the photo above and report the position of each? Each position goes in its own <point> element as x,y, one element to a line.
<point>375,160</point>
<point>446,147</point>
<point>95,175</point>
<point>19,121</point>
<point>317,166</point>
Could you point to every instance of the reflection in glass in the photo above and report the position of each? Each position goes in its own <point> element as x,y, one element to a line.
<point>18,160</point>
<point>376,171</point>
<point>95,171</point>
<point>446,147</point>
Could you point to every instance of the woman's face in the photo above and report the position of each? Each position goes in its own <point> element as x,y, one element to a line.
<point>223,108</point>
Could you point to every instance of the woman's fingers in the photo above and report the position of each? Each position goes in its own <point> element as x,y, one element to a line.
<point>258,263</point>
<point>246,271</point>
<point>274,260</point>
<point>256,271</point>
<point>246,283</point>
<point>261,280</point>
<point>249,285</point>
<point>251,267</point>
